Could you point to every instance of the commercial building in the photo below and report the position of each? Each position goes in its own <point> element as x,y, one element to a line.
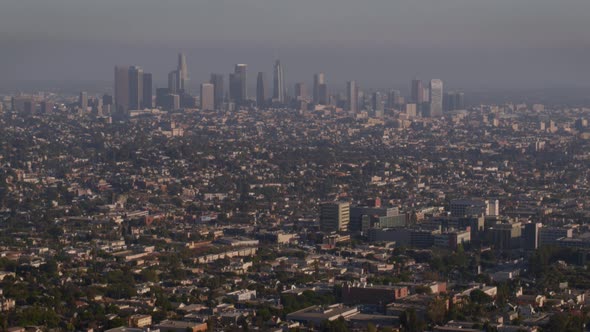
<point>121,89</point>
<point>531,235</point>
<point>417,92</point>
<point>135,87</point>
<point>507,235</point>
<point>237,84</point>
<point>140,321</point>
<point>334,216</point>
<point>361,293</point>
<point>83,100</point>
<point>207,96</point>
<point>352,101</point>
<point>300,91</point>
<point>279,90</point>
<point>180,326</point>
<point>474,207</point>
<point>261,90</point>
<point>217,81</point>
<point>549,236</point>
<point>318,314</point>
<point>436,98</point>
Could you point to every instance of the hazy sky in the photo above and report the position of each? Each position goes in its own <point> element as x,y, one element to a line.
<point>380,43</point>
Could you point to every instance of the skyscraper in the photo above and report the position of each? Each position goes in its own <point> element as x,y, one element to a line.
<point>454,101</point>
<point>318,80</point>
<point>83,101</point>
<point>279,83</point>
<point>161,94</point>
<point>392,98</point>
<point>417,92</point>
<point>323,94</point>
<point>261,90</point>
<point>436,98</point>
<point>300,91</point>
<point>148,93</point>
<point>352,97</point>
<point>107,99</point>
<point>29,106</point>
<point>121,88</point>
<point>459,101</point>
<point>182,73</point>
<point>135,87</point>
<point>234,87</point>
<point>426,94</point>
<point>237,85</point>
<point>377,101</point>
<point>217,81</point>
<point>173,81</point>
<point>46,107</point>
<point>207,97</point>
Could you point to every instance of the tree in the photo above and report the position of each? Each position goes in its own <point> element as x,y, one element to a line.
<point>479,297</point>
<point>437,310</point>
<point>410,321</point>
<point>338,325</point>
<point>565,322</point>
<point>149,275</point>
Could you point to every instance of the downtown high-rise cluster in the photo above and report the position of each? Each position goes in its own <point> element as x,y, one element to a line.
<point>134,91</point>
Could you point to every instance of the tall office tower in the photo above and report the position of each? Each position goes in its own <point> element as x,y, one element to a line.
<point>352,101</point>
<point>234,87</point>
<point>121,89</point>
<point>531,235</point>
<point>417,92</point>
<point>238,90</point>
<point>207,97</point>
<point>29,106</point>
<point>173,81</point>
<point>393,98</point>
<point>98,107</point>
<point>363,103</point>
<point>323,94</point>
<point>300,91</point>
<point>161,94</point>
<point>135,87</point>
<point>426,94</point>
<point>46,107</point>
<point>148,94</point>
<point>279,83</point>
<point>377,101</point>
<point>170,101</point>
<point>217,81</point>
<point>21,103</point>
<point>411,110</point>
<point>261,90</point>
<point>107,99</point>
<point>318,80</point>
<point>334,216</point>
<point>436,98</point>
<point>459,101</point>
<point>182,73</point>
<point>448,101</point>
<point>83,100</point>
<point>453,101</point>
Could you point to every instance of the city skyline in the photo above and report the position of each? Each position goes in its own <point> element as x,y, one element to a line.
<point>311,165</point>
<point>133,91</point>
<point>477,45</point>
